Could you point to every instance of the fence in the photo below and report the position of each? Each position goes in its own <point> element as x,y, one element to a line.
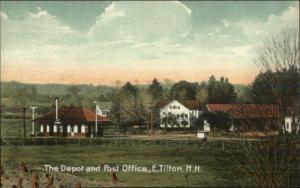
<point>223,145</point>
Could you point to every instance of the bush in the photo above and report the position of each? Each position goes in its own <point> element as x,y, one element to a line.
<point>218,120</point>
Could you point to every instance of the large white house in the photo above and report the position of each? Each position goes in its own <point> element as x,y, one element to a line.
<point>179,114</point>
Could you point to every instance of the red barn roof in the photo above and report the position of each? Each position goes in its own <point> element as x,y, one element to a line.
<point>72,115</point>
<point>240,111</point>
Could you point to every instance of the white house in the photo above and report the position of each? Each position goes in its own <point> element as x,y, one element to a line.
<point>179,114</point>
<point>104,108</point>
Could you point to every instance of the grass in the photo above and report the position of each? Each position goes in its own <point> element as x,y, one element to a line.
<point>10,127</point>
<point>219,168</point>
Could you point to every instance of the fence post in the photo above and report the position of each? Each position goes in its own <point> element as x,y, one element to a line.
<point>249,145</point>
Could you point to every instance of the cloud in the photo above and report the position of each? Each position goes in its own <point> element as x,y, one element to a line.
<point>38,28</point>
<point>37,37</point>
<point>226,23</point>
<point>43,22</point>
<point>142,21</point>
<point>274,23</point>
<point>3,15</point>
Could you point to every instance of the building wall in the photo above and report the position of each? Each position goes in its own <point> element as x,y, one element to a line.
<point>180,114</point>
<point>76,130</point>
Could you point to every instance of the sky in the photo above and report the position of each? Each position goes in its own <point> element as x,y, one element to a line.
<point>93,42</point>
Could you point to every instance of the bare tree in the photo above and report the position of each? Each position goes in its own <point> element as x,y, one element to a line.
<point>272,161</point>
<point>280,54</point>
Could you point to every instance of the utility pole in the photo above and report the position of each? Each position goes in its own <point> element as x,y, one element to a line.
<point>96,119</point>
<point>56,107</point>
<point>151,116</point>
<point>57,122</point>
<point>24,122</point>
<point>32,128</point>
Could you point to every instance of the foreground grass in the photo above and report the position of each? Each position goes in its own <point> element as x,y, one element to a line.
<point>219,168</point>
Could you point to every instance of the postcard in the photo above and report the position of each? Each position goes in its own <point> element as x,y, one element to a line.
<point>150,94</point>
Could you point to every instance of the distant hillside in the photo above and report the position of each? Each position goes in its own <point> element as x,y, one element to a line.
<point>57,89</point>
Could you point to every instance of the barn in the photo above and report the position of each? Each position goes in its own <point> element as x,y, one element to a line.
<point>71,121</point>
<point>250,116</point>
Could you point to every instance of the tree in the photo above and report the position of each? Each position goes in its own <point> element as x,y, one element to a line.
<point>129,90</point>
<point>155,90</point>
<point>33,93</point>
<point>131,104</point>
<point>243,93</point>
<point>220,91</point>
<point>202,95</point>
<point>272,162</point>
<point>183,90</point>
<point>218,120</point>
<point>21,97</point>
<point>74,90</point>
<point>280,87</point>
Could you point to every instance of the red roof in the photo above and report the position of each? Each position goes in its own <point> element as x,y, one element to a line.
<point>72,115</point>
<point>247,110</point>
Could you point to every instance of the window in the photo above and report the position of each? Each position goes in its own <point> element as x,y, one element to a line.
<point>83,128</point>
<point>48,128</point>
<point>178,107</point>
<point>75,129</point>
<point>55,128</point>
<point>42,128</point>
<point>69,128</point>
<point>61,129</point>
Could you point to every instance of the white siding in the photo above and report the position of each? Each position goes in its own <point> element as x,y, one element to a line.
<point>288,124</point>
<point>177,109</point>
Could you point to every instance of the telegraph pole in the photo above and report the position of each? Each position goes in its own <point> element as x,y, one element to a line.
<point>24,122</point>
<point>96,119</point>
<point>32,129</point>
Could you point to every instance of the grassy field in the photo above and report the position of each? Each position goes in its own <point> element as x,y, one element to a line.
<point>218,168</point>
<point>10,127</point>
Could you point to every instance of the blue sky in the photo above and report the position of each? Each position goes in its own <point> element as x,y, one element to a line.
<point>101,42</point>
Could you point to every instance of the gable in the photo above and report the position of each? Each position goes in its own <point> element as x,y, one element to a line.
<point>174,105</point>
